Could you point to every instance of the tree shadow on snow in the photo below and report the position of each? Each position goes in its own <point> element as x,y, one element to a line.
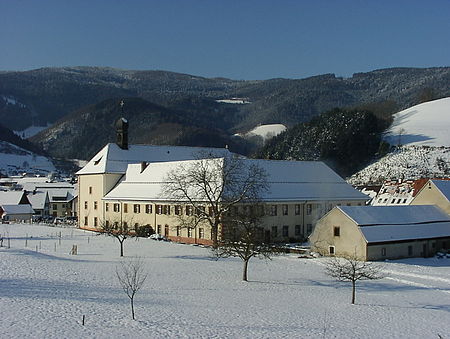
<point>45,289</point>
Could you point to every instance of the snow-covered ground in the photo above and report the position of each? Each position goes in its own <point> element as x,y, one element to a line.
<point>266,132</point>
<point>406,162</point>
<point>425,124</point>
<point>14,159</point>
<point>30,131</point>
<point>44,292</point>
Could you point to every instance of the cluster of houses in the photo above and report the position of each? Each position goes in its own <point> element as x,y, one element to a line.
<point>305,200</point>
<point>25,198</point>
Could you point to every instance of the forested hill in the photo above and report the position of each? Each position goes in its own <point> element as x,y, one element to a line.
<point>7,135</point>
<point>46,95</point>
<point>345,140</point>
<point>83,133</point>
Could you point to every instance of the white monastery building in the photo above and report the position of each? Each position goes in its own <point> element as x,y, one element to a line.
<point>125,183</point>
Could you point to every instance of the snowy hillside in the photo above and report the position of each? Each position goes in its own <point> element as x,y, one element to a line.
<point>45,292</point>
<point>30,131</point>
<point>425,124</point>
<point>424,133</point>
<point>15,160</point>
<point>406,162</point>
<point>266,132</point>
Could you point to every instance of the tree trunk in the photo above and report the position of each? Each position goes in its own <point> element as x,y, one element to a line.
<point>132,308</point>
<point>121,248</point>
<point>244,273</point>
<point>353,291</point>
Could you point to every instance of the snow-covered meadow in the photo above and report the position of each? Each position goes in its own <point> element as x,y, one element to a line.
<point>45,291</point>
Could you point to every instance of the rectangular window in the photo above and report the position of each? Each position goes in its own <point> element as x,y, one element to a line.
<point>95,205</point>
<point>285,231</point>
<point>95,222</point>
<point>210,211</point>
<point>297,230</point>
<point>107,207</point>
<point>273,210</point>
<point>90,189</point>
<point>116,207</point>
<point>297,209</point>
<point>309,228</point>
<point>107,223</point>
<point>274,231</point>
<point>201,233</point>
<point>158,209</point>
<point>285,209</point>
<point>85,205</point>
<point>308,209</point>
<point>189,232</point>
<point>383,251</point>
<point>178,210</point>
<point>166,209</point>
<point>85,221</point>
<point>148,208</point>
<point>55,207</point>
<point>188,210</point>
<point>158,229</point>
<point>125,208</point>
<point>331,250</point>
<point>137,208</point>
<point>178,231</point>
<point>337,231</point>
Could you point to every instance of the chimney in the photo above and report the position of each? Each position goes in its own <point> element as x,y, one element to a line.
<point>122,133</point>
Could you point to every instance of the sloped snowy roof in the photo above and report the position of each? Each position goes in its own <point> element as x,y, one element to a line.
<point>17,209</point>
<point>37,199</point>
<point>444,187</point>
<point>394,215</point>
<point>10,197</point>
<point>387,233</point>
<point>113,159</point>
<point>287,181</point>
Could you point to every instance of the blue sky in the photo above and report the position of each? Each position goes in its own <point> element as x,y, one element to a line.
<point>235,39</point>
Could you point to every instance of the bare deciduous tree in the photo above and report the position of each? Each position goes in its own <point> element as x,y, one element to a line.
<point>131,275</point>
<point>351,268</point>
<point>119,230</point>
<point>243,236</point>
<point>210,186</point>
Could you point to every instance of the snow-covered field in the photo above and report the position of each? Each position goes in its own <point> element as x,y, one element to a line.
<point>44,292</point>
<point>14,159</point>
<point>424,124</point>
<point>31,131</point>
<point>266,132</point>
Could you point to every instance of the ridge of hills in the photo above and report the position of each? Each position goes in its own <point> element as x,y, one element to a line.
<point>42,96</point>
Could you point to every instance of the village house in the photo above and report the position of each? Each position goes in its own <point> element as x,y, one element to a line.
<point>15,206</point>
<point>123,183</point>
<point>382,232</point>
<point>434,192</point>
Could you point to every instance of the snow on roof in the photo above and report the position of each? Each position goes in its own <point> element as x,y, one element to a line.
<point>387,233</point>
<point>394,215</point>
<point>113,159</point>
<point>443,186</point>
<point>287,181</point>
<point>17,209</point>
<point>10,197</point>
<point>37,199</point>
